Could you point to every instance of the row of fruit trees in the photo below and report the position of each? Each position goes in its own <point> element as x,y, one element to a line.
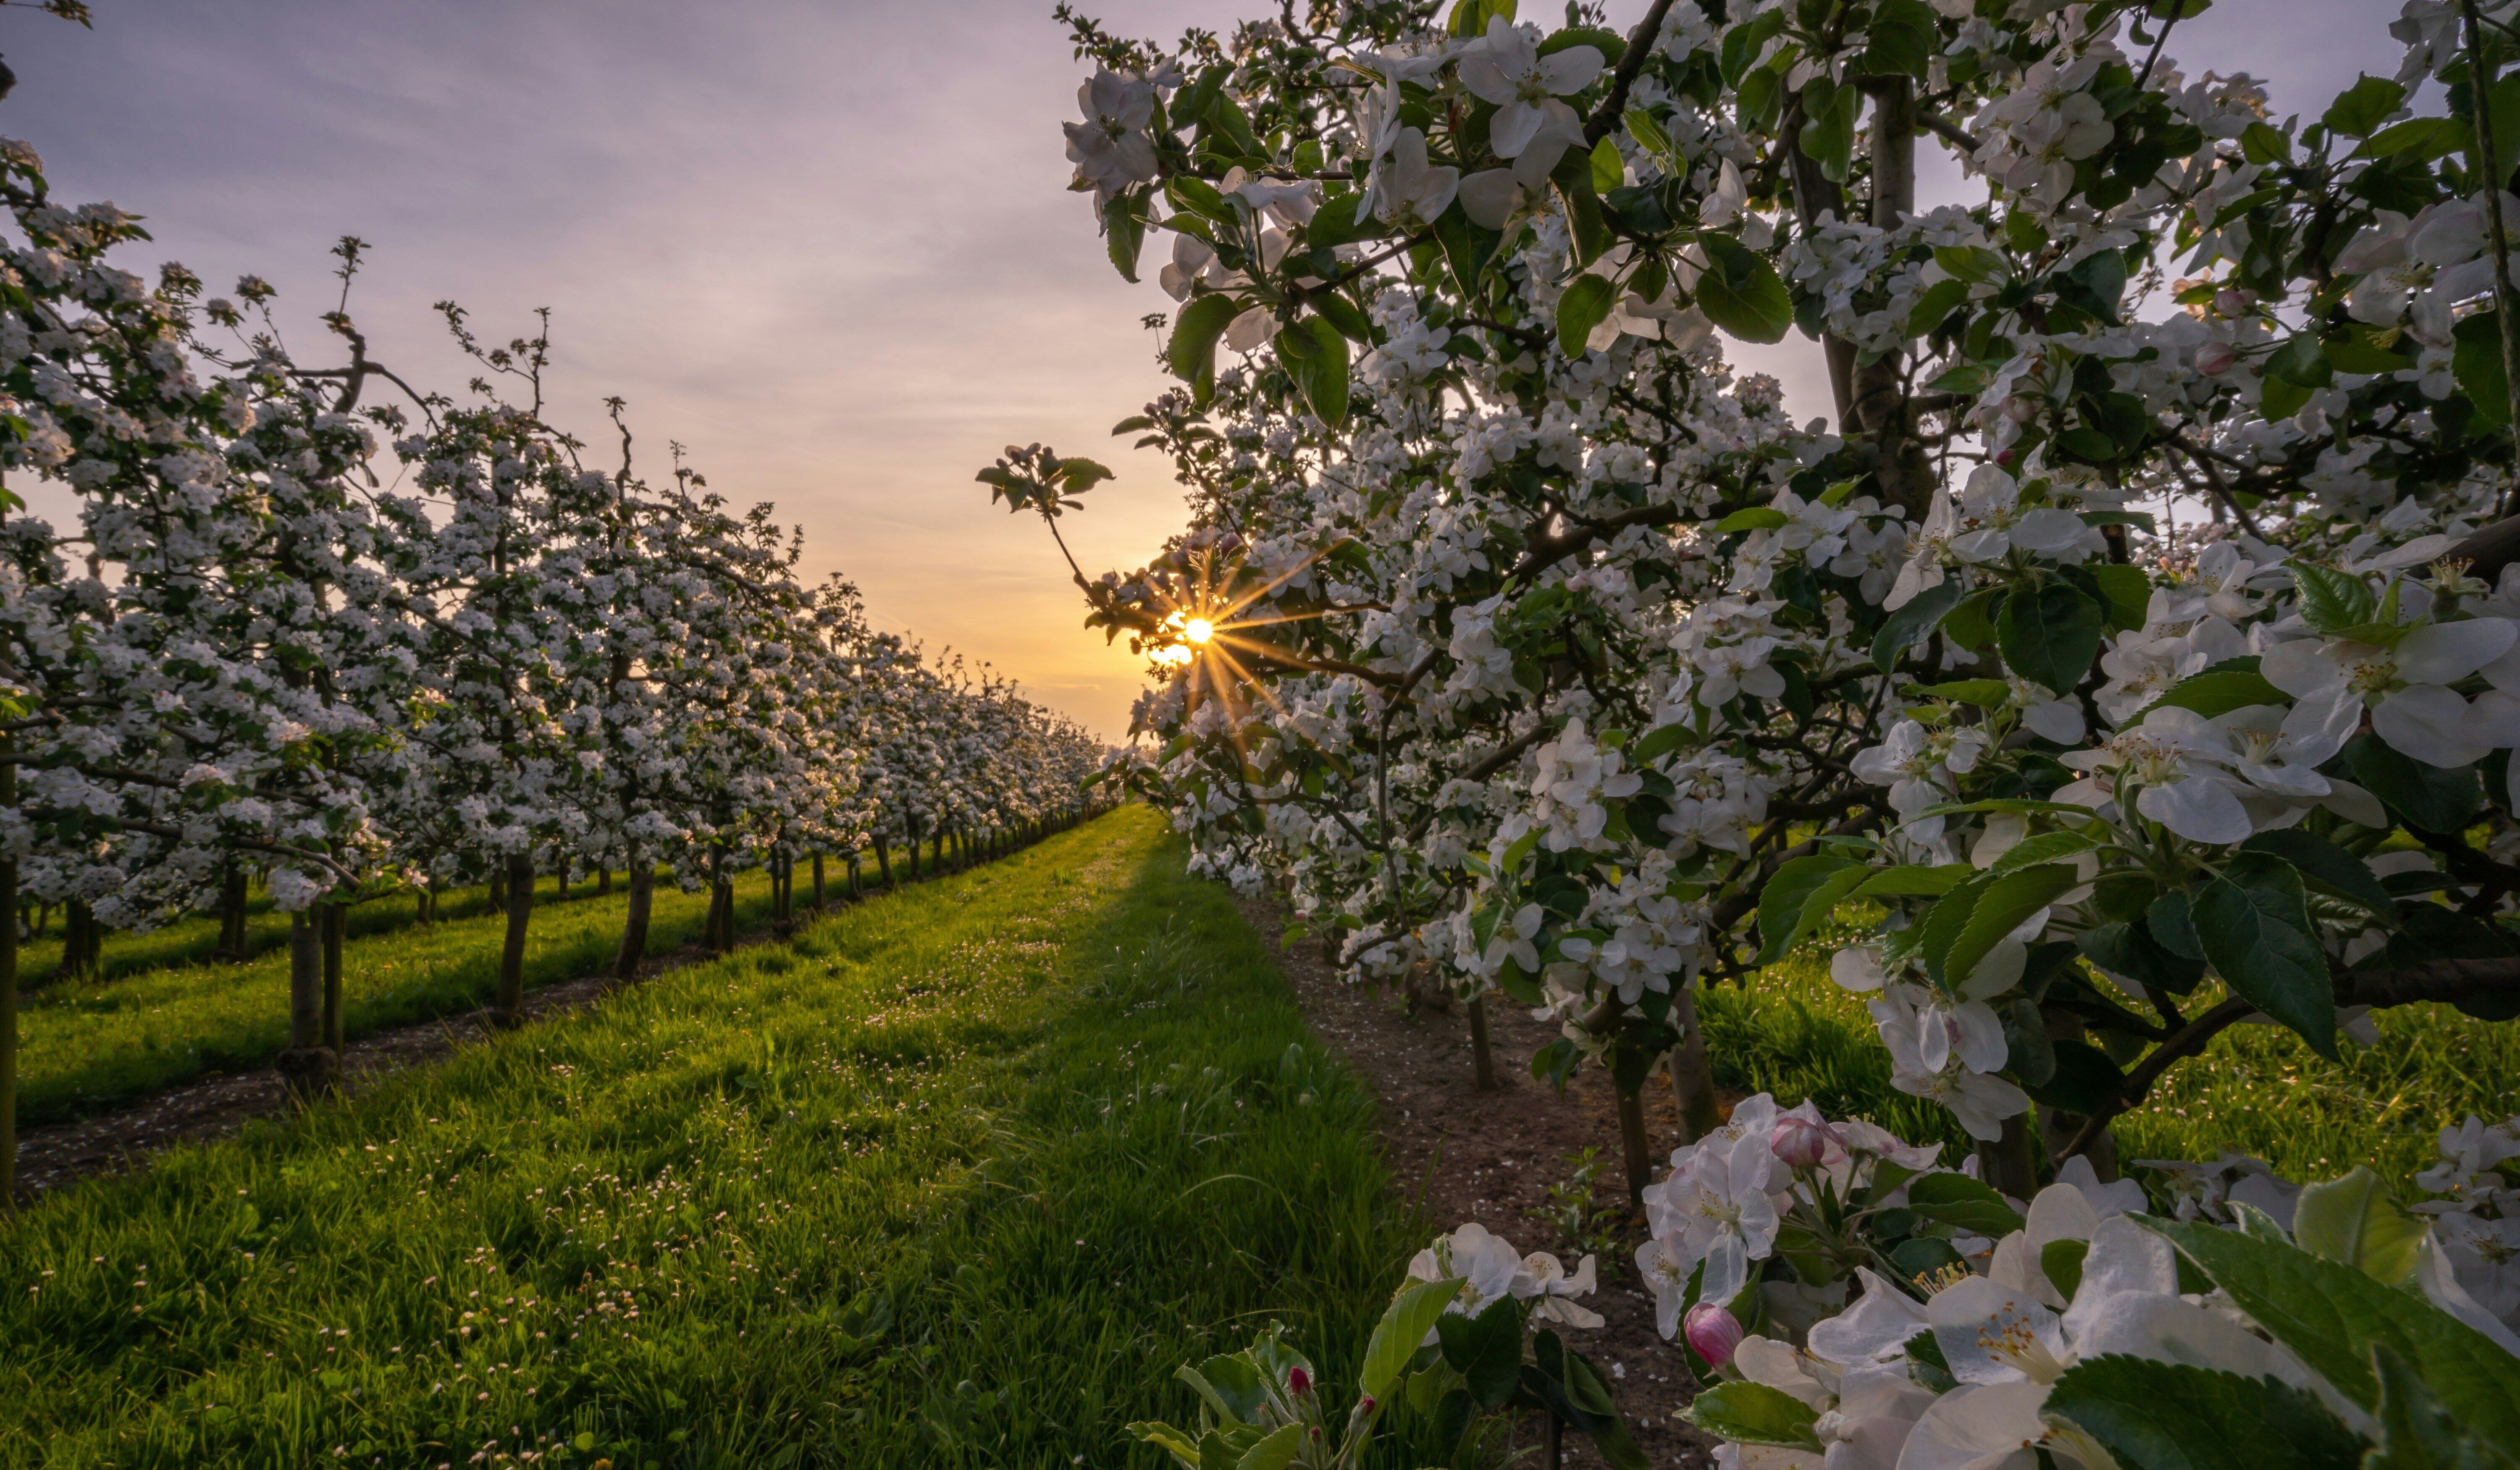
<point>2134,641</point>
<point>312,623</point>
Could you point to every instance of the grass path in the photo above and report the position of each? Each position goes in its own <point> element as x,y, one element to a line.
<point>956,1178</point>
<point>87,1049</point>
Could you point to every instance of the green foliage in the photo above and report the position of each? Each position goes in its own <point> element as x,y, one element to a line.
<point>2156,1415</point>
<point>2332,1315</point>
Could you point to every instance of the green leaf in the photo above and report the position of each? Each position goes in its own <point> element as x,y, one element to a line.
<point>2427,138</point>
<point>2061,1262</point>
<point>1586,305</point>
<point>2416,1432</point>
<point>1908,625</point>
<point>1741,294</point>
<point>1342,313</point>
<point>1182,1446</point>
<point>2261,144</point>
<point>1753,519</point>
<point>1967,625</point>
<point>1274,1452</point>
<point>2329,867</point>
<point>2050,636</point>
<point>1939,302</point>
<point>1467,249</point>
<point>2353,1222</point>
<point>1405,1324</point>
<point>2212,693</point>
<point>2044,847</point>
<point>1648,132</point>
<point>2420,795</point>
<point>1658,742</point>
<point>1124,231</point>
<point>1743,43</point>
<point>1315,355</point>
<point>1975,264</point>
<point>2256,934</point>
<point>2476,366</point>
<point>2129,592</point>
<point>2363,106</point>
<point>1470,18</point>
<point>1800,898</point>
<point>1999,908</point>
<point>1231,1384</point>
<point>1904,38</point>
<point>1753,1413</point>
<point>1196,330</point>
<point>1957,1200</point>
<point>2333,1316</point>
<point>1485,1349</point>
<point>1985,693</point>
<point>1609,169</point>
<point>2154,1415</point>
<point>2080,1079</point>
<point>1914,880</point>
<point>2333,600</point>
<point>2127,949</point>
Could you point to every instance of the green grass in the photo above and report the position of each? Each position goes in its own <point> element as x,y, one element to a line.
<point>195,939</point>
<point>2256,1089</point>
<point>956,1178</point>
<point>84,1048</point>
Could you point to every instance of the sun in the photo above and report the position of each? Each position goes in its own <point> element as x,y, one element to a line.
<point>1198,630</point>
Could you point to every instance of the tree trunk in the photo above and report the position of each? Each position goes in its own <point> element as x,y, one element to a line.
<point>82,943</point>
<point>913,857</point>
<point>882,861</point>
<point>818,881</point>
<point>1636,1151</point>
<point>560,894</point>
<point>783,895</point>
<point>232,915</point>
<point>2009,1163</point>
<point>510,1008</point>
<point>306,1067</point>
<point>634,923</point>
<point>2057,1128</point>
<point>498,890</point>
<point>1482,1060</point>
<point>337,924</point>
<point>603,881</point>
<point>725,917</point>
<point>1692,1078</point>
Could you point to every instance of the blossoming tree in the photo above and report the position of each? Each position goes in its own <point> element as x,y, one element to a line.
<point>2132,641</point>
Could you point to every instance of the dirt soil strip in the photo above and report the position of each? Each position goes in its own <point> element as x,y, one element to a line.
<point>219,1106</point>
<point>1465,1155</point>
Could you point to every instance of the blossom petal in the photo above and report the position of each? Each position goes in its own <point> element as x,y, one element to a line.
<point>2199,809</point>
<point>2444,652</point>
<point>2429,723</point>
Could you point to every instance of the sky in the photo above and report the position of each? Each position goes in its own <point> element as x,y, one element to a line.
<point>823,245</point>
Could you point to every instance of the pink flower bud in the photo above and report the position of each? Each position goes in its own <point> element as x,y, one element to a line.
<point>2005,457</point>
<point>1802,1143</point>
<point>2232,303</point>
<point>2214,359</point>
<point>1298,1381</point>
<point>1712,1332</point>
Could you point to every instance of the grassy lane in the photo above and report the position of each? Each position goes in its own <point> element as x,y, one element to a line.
<point>2256,1089</point>
<point>956,1178</point>
<point>195,940</point>
<point>84,1048</point>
